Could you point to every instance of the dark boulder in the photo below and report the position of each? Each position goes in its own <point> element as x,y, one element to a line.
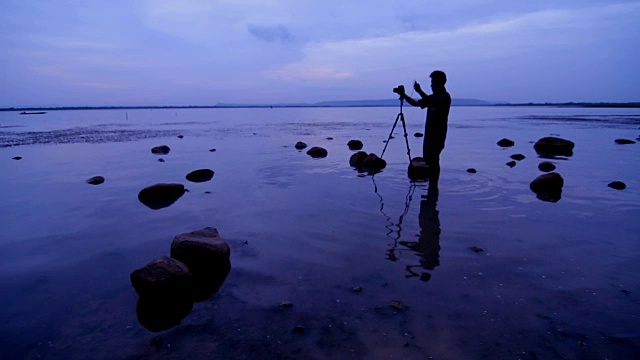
<point>546,166</point>
<point>96,180</point>
<point>203,251</point>
<point>207,256</point>
<point>161,150</point>
<point>511,164</point>
<point>317,152</point>
<point>624,141</point>
<point>300,145</point>
<point>548,187</point>
<point>418,169</point>
<point>373,162</point>
<point>618,185</point>
<point>180,136</point>
<point>517,157</point>
<point>162,278</point>
<point>355,144</point>
<point>551,146</point>
<point>356,159</point>
<point>506,143</point>
<point>201,175</point>
<point>471,170</point>
<point>159,196</point>
<point>418,134</point>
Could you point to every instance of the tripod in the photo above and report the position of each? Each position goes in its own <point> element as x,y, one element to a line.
<point>404,127</point>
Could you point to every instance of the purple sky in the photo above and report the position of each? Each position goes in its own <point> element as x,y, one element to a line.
<point>181,52</point>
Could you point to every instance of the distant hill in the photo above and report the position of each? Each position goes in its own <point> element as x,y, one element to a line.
<point>363,103</point>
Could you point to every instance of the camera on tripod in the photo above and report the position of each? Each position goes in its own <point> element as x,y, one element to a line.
<point>399,90</point>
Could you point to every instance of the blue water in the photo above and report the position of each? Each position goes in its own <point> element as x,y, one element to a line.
<point>554,280</point>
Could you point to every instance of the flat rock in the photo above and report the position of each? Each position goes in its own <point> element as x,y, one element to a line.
<point>96,180</point>
<point>418,134</point>
<point>17,157</point>
<point>201,175</point>
<point>511,164</point>
<point>624,141</point>
<point>161,195</point>
<point>160,150</point>
<point>551,146</point>
<point>546,166</point>
<point>300,145</point>
<point>618,185</point>
<point>162,278</point>
<point>317,152</point>
<point>355,144</point>
<point>505,143</point>
<point>517,157</point>
<point>471,170</point>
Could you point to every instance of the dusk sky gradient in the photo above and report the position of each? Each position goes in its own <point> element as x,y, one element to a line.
<point>197,52</point>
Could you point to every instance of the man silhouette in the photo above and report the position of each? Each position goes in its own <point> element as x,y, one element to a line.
<point>435,127</point>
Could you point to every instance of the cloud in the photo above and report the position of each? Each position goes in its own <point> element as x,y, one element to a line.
<point>521,35</point>
<point>275,33</point>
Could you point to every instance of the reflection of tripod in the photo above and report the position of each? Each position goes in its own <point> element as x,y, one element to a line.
<point>404,127</point>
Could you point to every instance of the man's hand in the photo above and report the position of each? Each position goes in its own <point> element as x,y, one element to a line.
<point>417,87</point>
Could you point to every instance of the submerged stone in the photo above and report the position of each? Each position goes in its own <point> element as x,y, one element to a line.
<point>418,169</point>
<point>160,150</point>
<point>317,152</point>
<point>546,166</point>
<point>96,180</point>
<point>505,143</point>
<point>161,195</point>
<point>355,144</point>
<point>201,175</point>
<point>618,185</point>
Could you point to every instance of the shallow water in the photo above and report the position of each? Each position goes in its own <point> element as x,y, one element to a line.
<point>554,280</point>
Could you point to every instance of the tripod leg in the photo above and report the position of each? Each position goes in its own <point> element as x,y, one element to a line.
<point>406,137</point>
<point>391,133</point>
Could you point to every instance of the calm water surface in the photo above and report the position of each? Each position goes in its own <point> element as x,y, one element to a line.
<point>554,280</point>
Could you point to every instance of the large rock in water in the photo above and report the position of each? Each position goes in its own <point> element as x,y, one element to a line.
<point>201,175</point>
<point>355,144</point>
<point>373,162</point>
<point>551,146</point>
<point>203,251</point>
<point>317,152</point>
<point>548,187</point>
<point>161,150</point>
<point>159,196</point>
<point>162,278</point>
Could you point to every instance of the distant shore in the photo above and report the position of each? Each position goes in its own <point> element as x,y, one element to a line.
<point>321,105</point>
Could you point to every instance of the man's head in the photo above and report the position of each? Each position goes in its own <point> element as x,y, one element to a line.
<point>438,79</point>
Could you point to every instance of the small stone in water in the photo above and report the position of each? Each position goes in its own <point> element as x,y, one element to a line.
<point>357,289</point>
<point>471,170</point>
<point>511,164</point>
<point>298,329</point>
<point>396,305</point>
<point>285,304</point>
<point>476,249</point>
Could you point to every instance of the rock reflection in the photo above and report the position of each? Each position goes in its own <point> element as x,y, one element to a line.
<point>428,245</point>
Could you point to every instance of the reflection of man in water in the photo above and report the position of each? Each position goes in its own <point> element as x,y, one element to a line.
<point>428,246</point>
<point>435,127</point>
